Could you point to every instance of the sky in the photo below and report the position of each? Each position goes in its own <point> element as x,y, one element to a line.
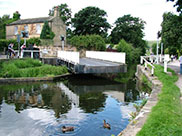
<point>150,11</point>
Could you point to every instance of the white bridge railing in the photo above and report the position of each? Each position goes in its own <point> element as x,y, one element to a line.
<point>110,56</point>
<point>69,56</point>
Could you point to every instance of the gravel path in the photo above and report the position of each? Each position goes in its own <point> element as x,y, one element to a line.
<point>176,67</point>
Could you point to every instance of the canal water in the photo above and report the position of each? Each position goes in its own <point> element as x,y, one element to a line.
<point>41,109</point>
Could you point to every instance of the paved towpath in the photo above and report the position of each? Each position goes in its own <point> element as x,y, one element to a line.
<point>175,65</point>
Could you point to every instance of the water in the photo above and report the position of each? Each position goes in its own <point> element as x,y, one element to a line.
<point>41,109</point>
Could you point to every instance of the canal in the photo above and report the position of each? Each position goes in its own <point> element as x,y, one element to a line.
<point>80,101</point>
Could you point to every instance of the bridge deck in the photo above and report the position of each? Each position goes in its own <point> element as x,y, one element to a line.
<point>97,62</point>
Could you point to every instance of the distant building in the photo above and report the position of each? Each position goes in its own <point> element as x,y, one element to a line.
<point>34,27</point>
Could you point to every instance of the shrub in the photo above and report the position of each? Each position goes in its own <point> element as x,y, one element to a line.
<point>29,68</point>
<point>4,43</point>
<point>132,54</point>
<point>89,42</point>
<point>46,32</point>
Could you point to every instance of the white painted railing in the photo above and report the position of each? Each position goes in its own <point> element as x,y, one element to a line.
<point>30,51</point>
<point>69,56</point>
<point>110,56</point>
<point>164,59</point>
<point>146,63</point>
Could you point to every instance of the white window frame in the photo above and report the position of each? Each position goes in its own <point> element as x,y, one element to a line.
<point>26,28</point>
<point>38,28</point>
<point>15,30</point>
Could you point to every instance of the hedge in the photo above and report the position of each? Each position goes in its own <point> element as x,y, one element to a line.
<point>89,42</point>
<point>4,43</point>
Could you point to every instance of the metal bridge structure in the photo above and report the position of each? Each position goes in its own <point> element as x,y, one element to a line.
<point>94,62</point>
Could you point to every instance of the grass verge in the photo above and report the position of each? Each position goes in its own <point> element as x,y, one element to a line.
<point>166,117</point>
<point>29,68</point>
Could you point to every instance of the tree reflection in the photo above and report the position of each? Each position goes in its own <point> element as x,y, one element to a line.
<point>92,102</point>
<point>35,95</point>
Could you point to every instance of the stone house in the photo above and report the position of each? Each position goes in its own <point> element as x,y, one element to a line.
<point>34,27</point>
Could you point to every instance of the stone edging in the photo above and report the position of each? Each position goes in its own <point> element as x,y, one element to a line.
<point>133,128</point>
<point>31,79</point>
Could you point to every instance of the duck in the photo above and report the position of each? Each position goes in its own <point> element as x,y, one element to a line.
<point>106,125</point>
<point>66,129</point>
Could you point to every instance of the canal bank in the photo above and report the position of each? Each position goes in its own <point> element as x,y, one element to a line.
<point>165,118</point>
<point>135,125</point>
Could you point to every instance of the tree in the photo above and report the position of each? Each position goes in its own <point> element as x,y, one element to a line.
<point>178,4</point>
<point>132,54</point>
<point>172,32</point>
<point>16,16</point>
<point>91,20</point>
<point>131,30</point>
<point>4,20</point>
<point>46,32</point>
<point>89,42</point>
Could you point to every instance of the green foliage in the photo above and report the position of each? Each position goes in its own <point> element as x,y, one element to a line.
<point>132,54</point>
<point>89,42</point>
<point>16,15</point>
<point>29,68</point>
<point>46,32</point>
<point>177,4</point>
<point>131,30</point>
<point>4,20</point>
<point>90,20</point>
<point>4,43</point>
<point>165,118</point>
<point>172,32</point>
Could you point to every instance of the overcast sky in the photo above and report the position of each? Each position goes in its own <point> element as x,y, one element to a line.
<point>150,11</point>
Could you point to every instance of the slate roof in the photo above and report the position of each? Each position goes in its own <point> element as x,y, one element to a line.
<point>31,20</point>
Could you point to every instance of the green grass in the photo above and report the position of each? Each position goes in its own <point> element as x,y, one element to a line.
<point>29,68</point>
<point>166,117</point>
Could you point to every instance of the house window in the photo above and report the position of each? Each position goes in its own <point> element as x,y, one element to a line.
<point>16,30</point>
<point>26,28</point>
<point>38,28</point>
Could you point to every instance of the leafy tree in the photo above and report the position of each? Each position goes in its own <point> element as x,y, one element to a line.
<point>172,32</point>
<point>132,54</point>
<point>46,32</point>
<point>178,4</point>
<point>16,16</point>
<point>91,20</point>
<point>4,20</point>
<point>131,30</point>
<point>89,42</point>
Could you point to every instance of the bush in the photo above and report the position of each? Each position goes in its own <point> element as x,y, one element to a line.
<point>89,42</point>
<point>4,43</point>
<point>132,54</point>
<point>29,68</point>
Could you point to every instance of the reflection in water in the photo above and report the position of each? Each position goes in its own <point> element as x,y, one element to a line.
<point>81,101</point>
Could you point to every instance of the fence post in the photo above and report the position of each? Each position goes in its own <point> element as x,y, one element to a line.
<point>31,54</point>
<point>152,71</point>
<point>165,66</point>
<point>145,65</point>
<point>141,60</point>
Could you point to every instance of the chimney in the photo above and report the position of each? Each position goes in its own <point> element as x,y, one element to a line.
<point>56,11</point>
